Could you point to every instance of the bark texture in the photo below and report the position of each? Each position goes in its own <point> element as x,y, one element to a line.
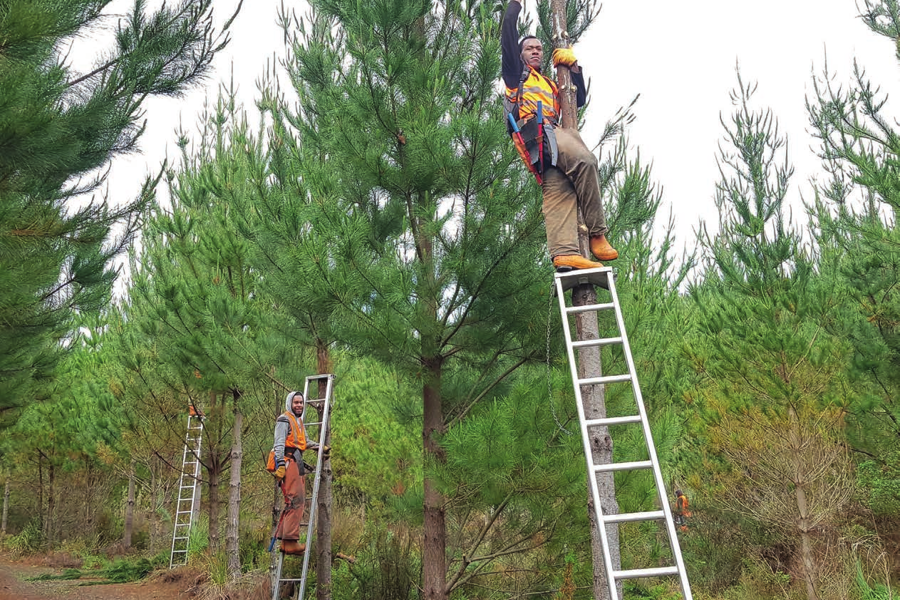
<point>589,363</point>
<point>803,511</point>
<point>323,508</point>
<point>5,505</point>
<point>232,521</point>
<point>434,569</point>
<point>129,509</point>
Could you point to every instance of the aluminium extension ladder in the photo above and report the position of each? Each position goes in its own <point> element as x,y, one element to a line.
<point>603,278</point>
<point>188,486</point>
<point>320,428</point>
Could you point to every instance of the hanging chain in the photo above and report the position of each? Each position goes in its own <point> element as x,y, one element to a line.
<point>549,379</point>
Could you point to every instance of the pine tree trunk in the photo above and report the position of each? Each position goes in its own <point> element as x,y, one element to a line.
<point>40,460</point>
<point>198,491</point>
<point>157,497</point>
<point>51,504</point>
<point>589,363</point>
<point>434,568</point>
<point>799,476</point>
<point>5,505</point>
<point>215,472</point>
<point>323,509</point>
<point>214,508</point>
<point>232,525</point>
<point>276,493</point>
<point>129,509</point>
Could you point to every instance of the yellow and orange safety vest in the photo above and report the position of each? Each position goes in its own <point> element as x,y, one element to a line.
<point>535,88</point>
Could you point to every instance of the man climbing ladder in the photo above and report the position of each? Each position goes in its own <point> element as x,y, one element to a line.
<point>566,168</point>
<point>290,442</point>
<point>296,430</point>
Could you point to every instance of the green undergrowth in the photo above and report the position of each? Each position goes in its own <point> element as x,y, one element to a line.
<point>119,571</point>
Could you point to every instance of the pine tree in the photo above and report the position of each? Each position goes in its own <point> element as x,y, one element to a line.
<point>72,435</point>
<point>855,213</point>
<point>196,299</point>
<point>59,128</point>
<point>423,237</point>
<point>773,389</point>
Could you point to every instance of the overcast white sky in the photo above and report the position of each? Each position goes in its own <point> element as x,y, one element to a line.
<point>679,56</point>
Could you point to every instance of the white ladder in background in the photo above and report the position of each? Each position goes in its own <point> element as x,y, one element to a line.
<point>314,430</point>
<point>188,485</point>
<point>603,278</point>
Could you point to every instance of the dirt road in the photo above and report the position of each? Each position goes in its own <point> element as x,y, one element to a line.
<point>13,586</point>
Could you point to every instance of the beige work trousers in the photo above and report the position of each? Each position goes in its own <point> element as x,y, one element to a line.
<point>573,180</point>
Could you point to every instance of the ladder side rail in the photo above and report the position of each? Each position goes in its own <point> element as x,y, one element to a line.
<point>651,447</point>
<point>276,583</point>
<point>195,496</point>
<point>323,428</point>
<point>181,476</point>
<point>585,440</point>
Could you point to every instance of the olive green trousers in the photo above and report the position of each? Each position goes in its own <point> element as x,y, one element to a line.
<point>572,183</point>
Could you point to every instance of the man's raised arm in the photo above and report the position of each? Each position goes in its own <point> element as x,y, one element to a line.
<point>509,45</point>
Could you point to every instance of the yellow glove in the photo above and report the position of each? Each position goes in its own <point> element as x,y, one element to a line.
<point>279,472</point>
<point>564,56</point>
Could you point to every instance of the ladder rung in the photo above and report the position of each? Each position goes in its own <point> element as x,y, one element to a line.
<point>623,466</point>
<point>636,516</point>
<point>600,342</point>
<point>283,580</point>
<point>183,512</point>
<point>605,379</point>
<point>583,272</point>
<point>614,421</point>
<point>181,538</point>
<point>637,573</point>
<point>589,308</point>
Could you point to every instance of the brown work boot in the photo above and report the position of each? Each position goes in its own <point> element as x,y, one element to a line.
<point>292,547</point>
<point>601,248</point>
<point>573,261</point>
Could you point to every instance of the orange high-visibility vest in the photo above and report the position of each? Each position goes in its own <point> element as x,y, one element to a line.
<point>681,506</point>
<point>297,439</point>
<point>535,88</point>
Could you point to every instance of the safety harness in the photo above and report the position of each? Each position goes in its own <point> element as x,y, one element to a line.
<point>533,134</point>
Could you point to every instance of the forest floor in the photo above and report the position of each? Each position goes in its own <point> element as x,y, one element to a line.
<point>14,584</point>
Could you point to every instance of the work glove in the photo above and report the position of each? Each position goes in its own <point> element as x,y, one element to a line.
<point>315,448</point>
<point>564,56</point>
<point>279,472</point>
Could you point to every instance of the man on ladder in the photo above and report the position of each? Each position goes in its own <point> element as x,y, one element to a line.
<point>290,442</point>
<point>559,158</point>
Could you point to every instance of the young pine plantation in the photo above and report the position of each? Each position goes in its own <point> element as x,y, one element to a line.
<point>377,224</point>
